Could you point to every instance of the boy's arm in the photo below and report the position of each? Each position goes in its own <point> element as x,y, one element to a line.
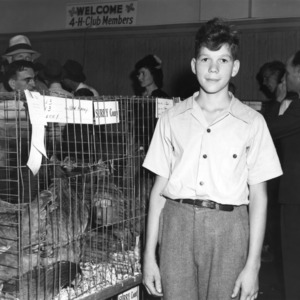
<point>247,281</point>
<point>151,274</point>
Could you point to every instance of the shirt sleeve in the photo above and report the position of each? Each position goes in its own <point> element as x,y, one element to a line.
<point>262,159</point>
<point>159,155</point>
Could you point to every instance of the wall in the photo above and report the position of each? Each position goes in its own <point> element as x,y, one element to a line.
<point>48,15</point>
<point>109,55</point>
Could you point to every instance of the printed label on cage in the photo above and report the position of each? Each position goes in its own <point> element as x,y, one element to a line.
<point>132,294</point>
<point>162,105</point>
<point>106,112</point>
<point>93,15</point>
<point>63,110</point>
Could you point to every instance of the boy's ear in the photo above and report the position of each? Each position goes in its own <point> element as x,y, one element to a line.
<point>193,65</point>
<point>236,67</point>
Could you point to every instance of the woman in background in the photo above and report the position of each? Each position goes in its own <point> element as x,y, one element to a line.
<point>149,77</point>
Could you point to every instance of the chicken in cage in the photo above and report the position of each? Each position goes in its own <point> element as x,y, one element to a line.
<point>73,193</point>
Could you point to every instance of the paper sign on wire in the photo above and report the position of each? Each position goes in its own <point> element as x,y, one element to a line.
<point>106,112</point>
<point>38,121</point>
<point>36,108</point>
<point>65,110</point>
<point>162,105</point>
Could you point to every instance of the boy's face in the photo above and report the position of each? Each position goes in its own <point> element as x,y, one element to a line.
<point>214,68</point>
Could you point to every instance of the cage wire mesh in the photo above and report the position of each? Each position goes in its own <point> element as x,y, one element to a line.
<point>76,227</point>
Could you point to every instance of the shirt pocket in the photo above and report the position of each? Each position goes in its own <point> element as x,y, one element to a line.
<point>234,162</point>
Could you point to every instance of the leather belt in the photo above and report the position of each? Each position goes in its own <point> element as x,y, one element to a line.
<point>204,203</point>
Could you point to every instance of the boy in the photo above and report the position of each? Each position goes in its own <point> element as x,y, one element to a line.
<point>212,155</point>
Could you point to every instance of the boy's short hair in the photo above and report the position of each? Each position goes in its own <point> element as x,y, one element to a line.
<point>214,34</point>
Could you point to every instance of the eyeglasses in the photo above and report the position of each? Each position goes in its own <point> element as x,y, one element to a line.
<point>28,80</point>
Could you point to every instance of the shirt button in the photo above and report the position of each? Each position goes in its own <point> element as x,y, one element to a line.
<point>234,156</point>
<point>201,183</point>
<point>204,156</point>
<point>208,130</point>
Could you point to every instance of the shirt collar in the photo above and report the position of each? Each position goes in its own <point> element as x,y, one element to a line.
<point>236,108</point>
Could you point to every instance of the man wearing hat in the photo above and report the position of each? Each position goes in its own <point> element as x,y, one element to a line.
<point>73,78</point>
<point>52,75</point>
<point>19,48</point>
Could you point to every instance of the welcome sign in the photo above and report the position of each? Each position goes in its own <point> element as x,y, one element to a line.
<point>93,15</point>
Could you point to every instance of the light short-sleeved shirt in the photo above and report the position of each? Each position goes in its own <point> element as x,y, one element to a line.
<point>212,161</point>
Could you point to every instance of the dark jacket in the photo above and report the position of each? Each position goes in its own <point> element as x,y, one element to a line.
<point>285,130</point>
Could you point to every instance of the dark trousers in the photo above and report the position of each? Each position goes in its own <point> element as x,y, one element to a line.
<point>290,236</point>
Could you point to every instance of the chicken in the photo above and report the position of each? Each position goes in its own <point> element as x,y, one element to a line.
<point>40,234</point>
<point>41,283</point>
<point>22,231</point>
<point>66,224</point>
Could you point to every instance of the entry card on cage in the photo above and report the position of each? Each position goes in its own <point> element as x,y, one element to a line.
<point>106,112</point>
<point>35,107</point>
<point>162,105</point>
<point>64,110</point>
<point>132,294</point>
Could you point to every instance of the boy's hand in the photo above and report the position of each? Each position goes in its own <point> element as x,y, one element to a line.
<point>151,277</point>
<point>246,284</point>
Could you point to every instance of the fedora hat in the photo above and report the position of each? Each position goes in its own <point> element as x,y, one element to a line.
<point>52,69</point>
<point>20,44</point>
<point>73,70</point>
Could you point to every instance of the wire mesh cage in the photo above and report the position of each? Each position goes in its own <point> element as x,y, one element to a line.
<point>72,217</point>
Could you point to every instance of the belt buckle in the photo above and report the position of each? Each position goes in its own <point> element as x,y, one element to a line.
<point>209,204</point>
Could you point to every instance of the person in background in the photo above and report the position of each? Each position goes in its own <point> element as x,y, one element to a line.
<point>3,66</point>
<point>212,156</point>
<point>73,77</point>
<point>148,78</point>
<point>149,75</point>
<point>285,130</point>
<point>20,76</point>
<point>83,92</point>
<point>52,76</point>
<point>19,48</point>
<point>270,78</point>
<point>77,137</point>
